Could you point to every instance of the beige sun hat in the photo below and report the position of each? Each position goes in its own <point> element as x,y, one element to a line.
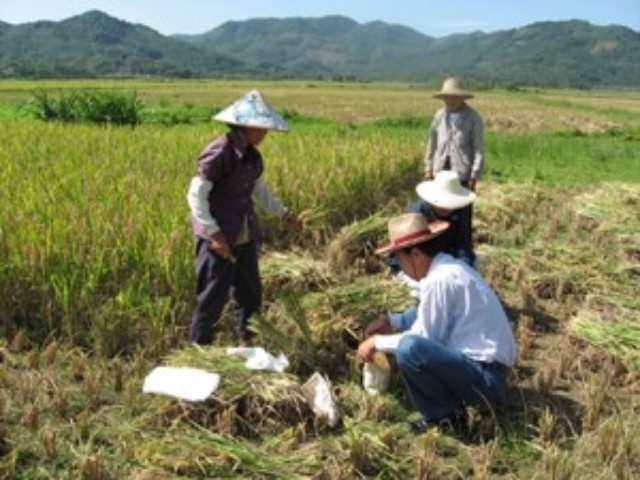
<point>452,87</point>
<point>411,229</point>
<point>252,110</point>
<point>445,191</point>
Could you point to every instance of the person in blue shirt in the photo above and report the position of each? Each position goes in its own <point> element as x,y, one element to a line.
<point>443,198</point>
<point>456,347</point>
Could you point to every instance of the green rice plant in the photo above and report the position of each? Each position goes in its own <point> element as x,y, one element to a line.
<point>82,106</point>
<point>291,333</point>
<point>620,337</point>
<point>559,161</point>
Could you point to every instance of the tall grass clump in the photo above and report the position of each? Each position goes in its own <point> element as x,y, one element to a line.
<point>95,239</point>
<point>89,106</point>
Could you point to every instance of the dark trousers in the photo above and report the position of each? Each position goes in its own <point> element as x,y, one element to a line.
<point>216,279</point>
<point>466,215</point>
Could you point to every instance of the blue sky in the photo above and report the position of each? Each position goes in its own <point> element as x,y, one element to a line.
<point>434,18</point>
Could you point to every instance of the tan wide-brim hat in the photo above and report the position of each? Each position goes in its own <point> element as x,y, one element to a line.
<point>445,191</point>
<point>253,111</point>
<point>452,87</point>
<point>411,229</point>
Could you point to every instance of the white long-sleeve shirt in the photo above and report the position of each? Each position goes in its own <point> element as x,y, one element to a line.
<point>198,199</point>
<point>459,310</point>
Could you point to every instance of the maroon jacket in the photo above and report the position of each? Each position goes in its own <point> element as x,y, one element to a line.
<point>233,168</point>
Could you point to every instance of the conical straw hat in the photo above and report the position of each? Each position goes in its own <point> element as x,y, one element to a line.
<point>252,110</point>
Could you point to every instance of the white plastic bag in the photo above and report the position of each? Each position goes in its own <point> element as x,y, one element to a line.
<point>376,374</point>
<point>259,359</point>
<point>319,394</point>
<point>185,383</point>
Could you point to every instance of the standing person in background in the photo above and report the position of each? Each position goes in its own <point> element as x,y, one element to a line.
<point>224,222</point>
<point>456,142</point>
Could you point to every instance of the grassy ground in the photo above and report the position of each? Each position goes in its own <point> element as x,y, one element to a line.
<point>96,266</point>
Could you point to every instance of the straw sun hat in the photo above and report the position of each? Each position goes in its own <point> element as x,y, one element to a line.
<point>411,229</point>
<point>445,191</point>
<point>252,110</point>
<point>452,87</point>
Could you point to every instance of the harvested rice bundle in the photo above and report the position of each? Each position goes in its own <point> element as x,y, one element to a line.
<point>354,244</point>
<point>363,298</point>
<point>615,206</point>
<point>295,269</point>
<point>620,337</point>
<point>320,330</point>
<point>196,452</point>
<point>509,214</point>
<point>555,271</point>
<point>246,403</point>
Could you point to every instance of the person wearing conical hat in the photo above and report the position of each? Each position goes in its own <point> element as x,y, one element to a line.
<point>221,200</point>
<point>458,347</point>
<point>456,142</point>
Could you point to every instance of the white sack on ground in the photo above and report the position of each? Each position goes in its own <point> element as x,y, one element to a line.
<point>319,394</point>
<point>185,383</point>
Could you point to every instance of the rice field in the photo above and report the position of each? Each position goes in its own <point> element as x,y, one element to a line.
<point>96,282</point>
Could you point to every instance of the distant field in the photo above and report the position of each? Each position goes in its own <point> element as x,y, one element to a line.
<point>526,110</point>
<point>96,275</point>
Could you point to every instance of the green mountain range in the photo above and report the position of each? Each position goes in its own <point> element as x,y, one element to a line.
<point>558,54</point>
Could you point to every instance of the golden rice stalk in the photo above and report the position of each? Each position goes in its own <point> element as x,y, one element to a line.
<point>200,452</point>
<point>293,269</point>
<point>356,241</point>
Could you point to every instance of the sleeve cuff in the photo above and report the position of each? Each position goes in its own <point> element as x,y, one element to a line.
<point>211,230</point>
<point>395,320</point>
<point>387,343</point>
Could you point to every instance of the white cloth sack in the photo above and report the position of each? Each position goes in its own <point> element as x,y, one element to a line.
<point>319,394</point>
<point>185,383</point>
<point>259,359</point>
<point>376,374</point>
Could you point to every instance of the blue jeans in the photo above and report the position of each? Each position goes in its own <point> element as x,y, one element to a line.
<point>441,381</point>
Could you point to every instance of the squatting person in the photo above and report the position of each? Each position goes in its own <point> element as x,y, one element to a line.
<point>458,347</point>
